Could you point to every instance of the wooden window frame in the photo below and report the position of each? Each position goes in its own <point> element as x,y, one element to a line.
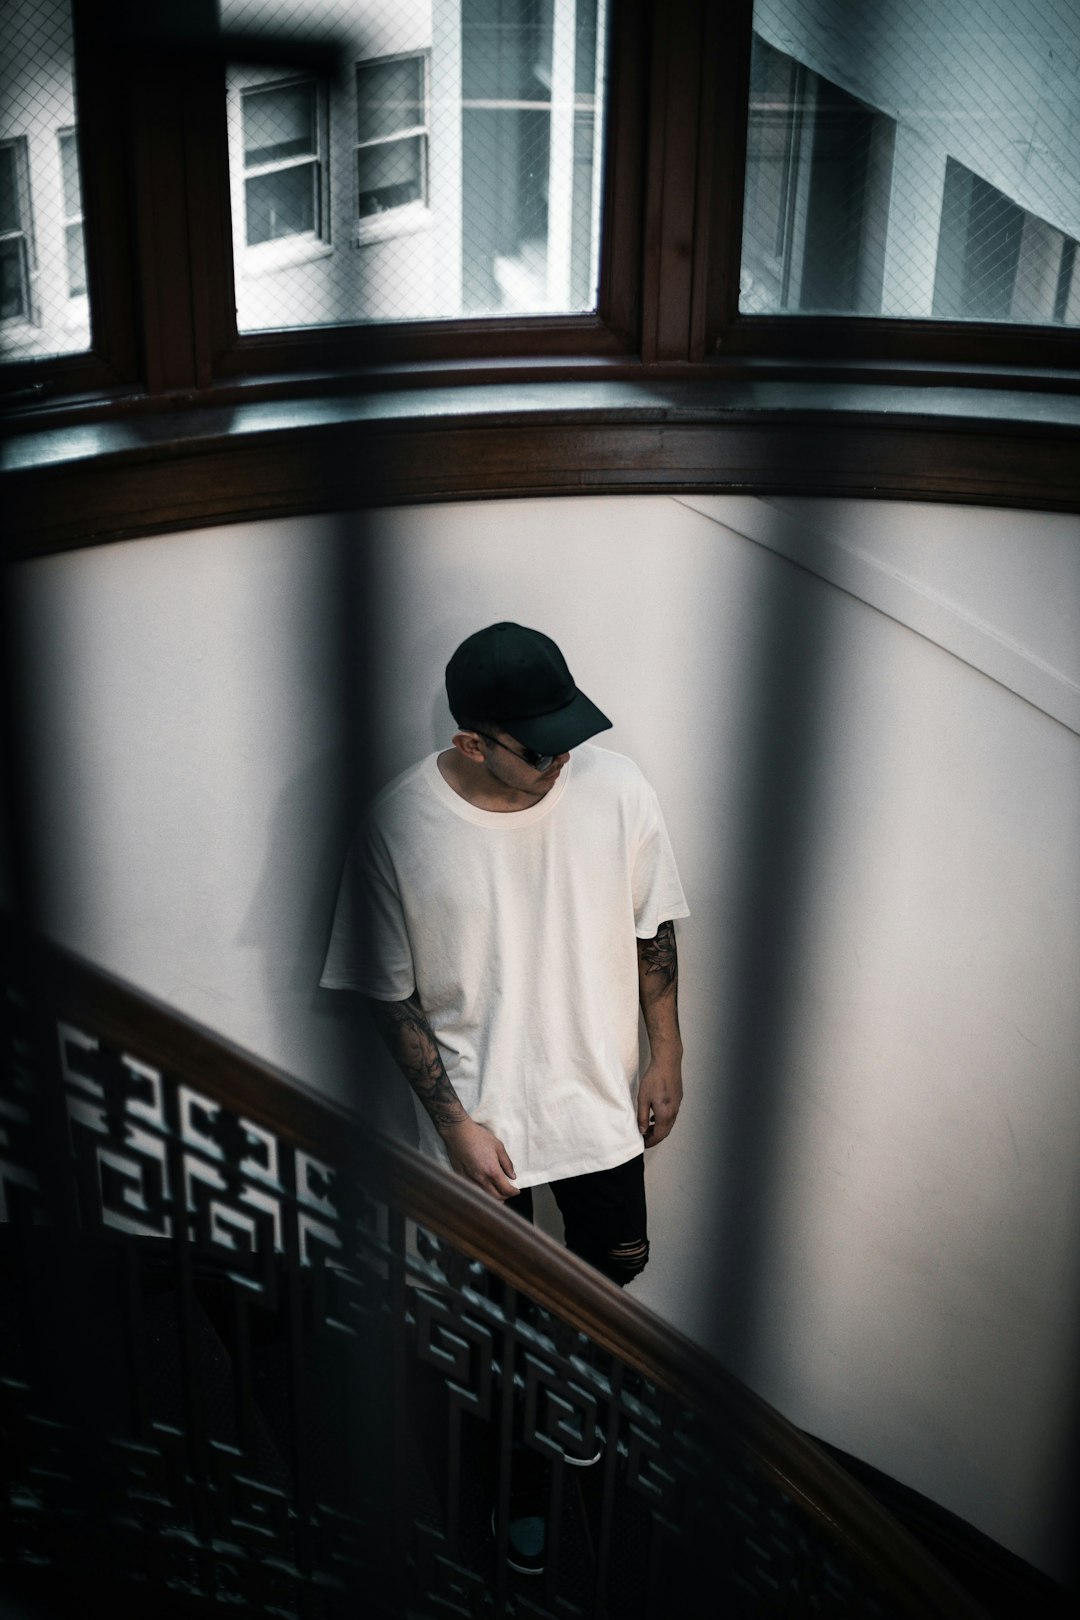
<point>155,174</point>
<point>71,220</point>
<point>318,159</point>
<point>23,234</point>
<point>389,220</point>
<point>110,368</point>
<point>721,334</point>
<point>609,334</point>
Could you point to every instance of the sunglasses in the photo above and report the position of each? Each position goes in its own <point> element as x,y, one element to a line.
<point>528,756</point>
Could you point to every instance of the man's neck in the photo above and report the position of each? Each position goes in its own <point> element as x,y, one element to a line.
<point>478,787</point>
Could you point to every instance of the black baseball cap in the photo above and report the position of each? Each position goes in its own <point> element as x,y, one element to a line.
<point>519,678</point>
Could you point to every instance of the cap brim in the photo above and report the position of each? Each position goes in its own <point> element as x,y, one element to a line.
<point>562,730</point>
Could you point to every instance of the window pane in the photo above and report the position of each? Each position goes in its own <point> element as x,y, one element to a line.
<point>39,190</point>
<point>460,162</point>
<point>818,171</point>
<point>9,191</point>
<point>389,97</point>
<point>281,203</point>
<point>921,160</point>
<point>69,169</point>
<point>279,123</point>
<point>773,98</point>
<point>76,260</point>
<point>997,262</point>
<point>389,175</point>
<point>13,289</point>
<point>509,49</point>
<point>505,208</point>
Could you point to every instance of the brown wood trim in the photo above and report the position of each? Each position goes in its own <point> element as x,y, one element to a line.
<point>170,95</point>
<point>31,413</point>
<point>30,385</point>
<point>207,229</point>
<point>630,26</point>
<point>829,339</point>
<point>339,467</point>
<point>348,351</point>
<point>675,104</point>
<point>105,145</point>
<point>137,1023</point>
<point>849,457</point>
<point>99,501</point>
<point>721,178</point>
<point>529,1260</point>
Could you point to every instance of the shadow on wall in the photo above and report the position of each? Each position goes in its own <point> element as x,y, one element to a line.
<point>761,938</point>
<point>324,685</point>
<point>324,1037</point>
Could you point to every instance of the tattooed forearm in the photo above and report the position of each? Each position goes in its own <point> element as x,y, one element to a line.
<point>658,981</point>
<point>658,960</point>
<point>413,1046</point>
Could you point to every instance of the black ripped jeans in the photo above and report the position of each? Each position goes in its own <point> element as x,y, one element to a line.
<point>604,1217</point>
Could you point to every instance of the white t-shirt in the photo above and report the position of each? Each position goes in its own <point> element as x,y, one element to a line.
<point>518,931</point>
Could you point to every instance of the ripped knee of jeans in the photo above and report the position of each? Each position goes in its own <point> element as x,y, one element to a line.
<point>626,1261</point>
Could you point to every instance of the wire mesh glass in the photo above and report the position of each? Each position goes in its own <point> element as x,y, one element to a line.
<point>452,168</point>
<point>44,306</point>
<point>918,159</point>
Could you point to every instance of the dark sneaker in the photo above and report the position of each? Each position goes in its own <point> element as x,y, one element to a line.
<point>526,1531</point>
<point>526,1543</point>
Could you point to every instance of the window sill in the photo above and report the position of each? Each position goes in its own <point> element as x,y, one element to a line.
<point>232,459</point>
<point>285,254</point>
<point>411,220</point>
<point>519,383</point>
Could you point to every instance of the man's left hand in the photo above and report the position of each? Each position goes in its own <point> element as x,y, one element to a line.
<point>659,1097</point>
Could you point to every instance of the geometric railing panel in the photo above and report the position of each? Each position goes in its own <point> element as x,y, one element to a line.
<point>229,1372</point>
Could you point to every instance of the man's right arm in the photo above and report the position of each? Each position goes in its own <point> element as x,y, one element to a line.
<point>475,1152</point>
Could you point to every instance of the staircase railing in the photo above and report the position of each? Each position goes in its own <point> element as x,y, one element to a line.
<point>253,1355</point>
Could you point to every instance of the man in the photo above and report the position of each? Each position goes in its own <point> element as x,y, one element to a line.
<point>507,906</point>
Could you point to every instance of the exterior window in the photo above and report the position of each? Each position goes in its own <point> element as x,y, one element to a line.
<point>997,262</point>
<point>44,307</point>
<point>14,233</point>
<point>391,135</point>
<point>282,163</point>
<point>772,145</point>
<point>867,145</point>
<point>532,87</point>
<point>456,172</point>
<point>818,173</point>
<point>74,253</point>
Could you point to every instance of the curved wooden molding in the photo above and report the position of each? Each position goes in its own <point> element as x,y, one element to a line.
<point>78,486</point>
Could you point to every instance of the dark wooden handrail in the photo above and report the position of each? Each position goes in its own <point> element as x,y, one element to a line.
<point>531,1261</point>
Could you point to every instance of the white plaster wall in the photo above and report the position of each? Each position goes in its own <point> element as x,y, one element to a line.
<point>190,773</point>
<point>914,1297</point>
